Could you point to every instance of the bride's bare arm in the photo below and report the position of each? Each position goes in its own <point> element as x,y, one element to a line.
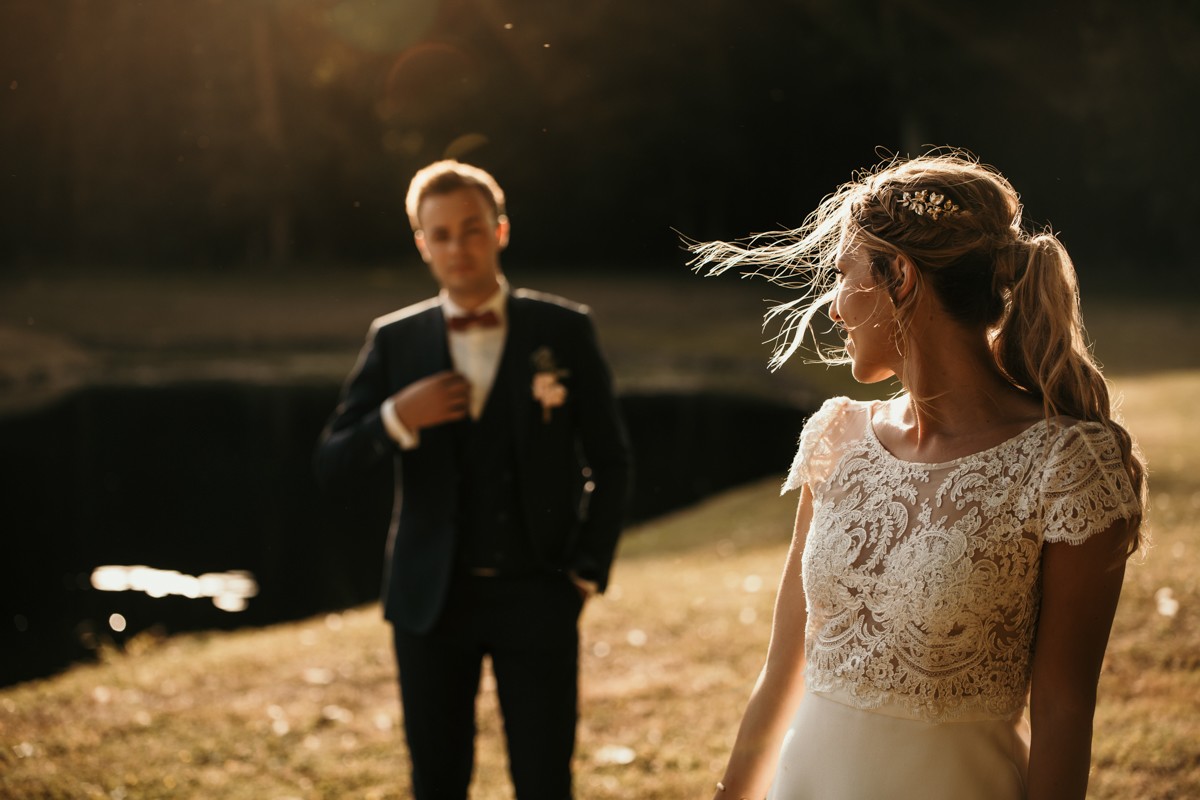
<point>780,684</point>
<point>1081,584</point>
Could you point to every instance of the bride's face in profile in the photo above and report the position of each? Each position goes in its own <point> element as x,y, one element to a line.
<point>865,312</point>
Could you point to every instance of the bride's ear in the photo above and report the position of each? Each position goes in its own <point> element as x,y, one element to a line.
<point>903,278</point>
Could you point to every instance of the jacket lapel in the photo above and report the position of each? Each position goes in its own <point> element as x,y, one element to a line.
<point>430,356</point>
<point>434,353</point>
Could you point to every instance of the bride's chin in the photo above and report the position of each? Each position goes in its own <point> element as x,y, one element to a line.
<point>861,375</point>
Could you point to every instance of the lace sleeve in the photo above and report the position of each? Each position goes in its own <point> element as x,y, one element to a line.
<point>813,454</point>
<point>1085,487</point>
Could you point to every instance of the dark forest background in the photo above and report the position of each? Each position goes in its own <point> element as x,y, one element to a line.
<point>266,134</point>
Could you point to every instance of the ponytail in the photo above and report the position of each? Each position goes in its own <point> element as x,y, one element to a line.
<point>1040,344</point>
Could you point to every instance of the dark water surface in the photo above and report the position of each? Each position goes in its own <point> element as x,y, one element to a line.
<point>208,486</point>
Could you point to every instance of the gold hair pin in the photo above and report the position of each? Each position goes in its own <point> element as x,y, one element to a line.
<point>925,203</point>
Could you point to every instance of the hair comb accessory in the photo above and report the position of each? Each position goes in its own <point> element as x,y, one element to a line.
<point>925,203</point>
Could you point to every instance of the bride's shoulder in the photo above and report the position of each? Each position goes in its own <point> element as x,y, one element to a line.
<point>824,438</point>
<point>839,420</point>
<point>838,407</point>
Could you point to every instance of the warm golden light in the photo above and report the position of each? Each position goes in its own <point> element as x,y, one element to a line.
<point>229,591</point>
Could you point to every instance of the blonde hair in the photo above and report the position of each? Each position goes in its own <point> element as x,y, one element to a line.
<point>976,255</point>
<point>446,176</point>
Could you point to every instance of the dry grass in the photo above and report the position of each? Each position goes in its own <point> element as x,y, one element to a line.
<point>1148,725</point>
<point>309,709</point>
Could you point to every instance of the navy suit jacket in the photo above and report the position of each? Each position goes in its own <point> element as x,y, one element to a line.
<point>573,517</point>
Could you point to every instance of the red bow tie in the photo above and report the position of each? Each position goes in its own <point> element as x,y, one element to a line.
<point>463,322</point>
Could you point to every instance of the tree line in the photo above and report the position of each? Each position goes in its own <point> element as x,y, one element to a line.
<point>264,133</point>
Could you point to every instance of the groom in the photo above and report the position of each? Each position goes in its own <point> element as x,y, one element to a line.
<point>511,469</point>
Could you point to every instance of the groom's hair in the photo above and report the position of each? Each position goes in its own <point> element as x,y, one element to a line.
<point>444,177</point>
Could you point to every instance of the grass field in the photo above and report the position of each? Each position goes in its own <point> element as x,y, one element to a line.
<point>309,709</point>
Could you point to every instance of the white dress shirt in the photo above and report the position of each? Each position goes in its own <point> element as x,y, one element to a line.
<point>474,352</point>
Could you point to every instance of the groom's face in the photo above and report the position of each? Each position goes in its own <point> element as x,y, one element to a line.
<point>461,239</point>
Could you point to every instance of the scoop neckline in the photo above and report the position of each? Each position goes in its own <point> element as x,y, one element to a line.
<point>931,465</point>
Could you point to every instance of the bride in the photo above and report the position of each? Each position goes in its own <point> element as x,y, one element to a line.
<point>959,549</point>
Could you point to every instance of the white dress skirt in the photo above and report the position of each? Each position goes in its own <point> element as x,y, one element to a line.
<point>835,751</point>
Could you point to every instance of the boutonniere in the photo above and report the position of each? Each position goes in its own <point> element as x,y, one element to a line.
<point>547,389</point>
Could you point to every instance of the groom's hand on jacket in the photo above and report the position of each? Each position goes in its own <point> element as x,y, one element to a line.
<point>441,397</point>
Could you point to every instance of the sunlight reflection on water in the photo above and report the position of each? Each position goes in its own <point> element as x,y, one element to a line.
<point>229,591</point>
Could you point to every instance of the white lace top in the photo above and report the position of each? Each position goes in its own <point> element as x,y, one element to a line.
<point>922,580</point>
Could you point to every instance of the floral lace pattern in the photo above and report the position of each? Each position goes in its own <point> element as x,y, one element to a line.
<point>922,580</point>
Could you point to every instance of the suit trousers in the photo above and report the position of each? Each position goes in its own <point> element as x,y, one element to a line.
<point>529,627</point>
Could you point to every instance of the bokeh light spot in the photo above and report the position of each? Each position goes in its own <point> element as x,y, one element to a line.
<point>752,584</point>
<point>461,146</point>
<point>615,754</point>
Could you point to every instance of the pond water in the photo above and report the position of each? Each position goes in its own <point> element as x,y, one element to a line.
<point>193,506</point>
